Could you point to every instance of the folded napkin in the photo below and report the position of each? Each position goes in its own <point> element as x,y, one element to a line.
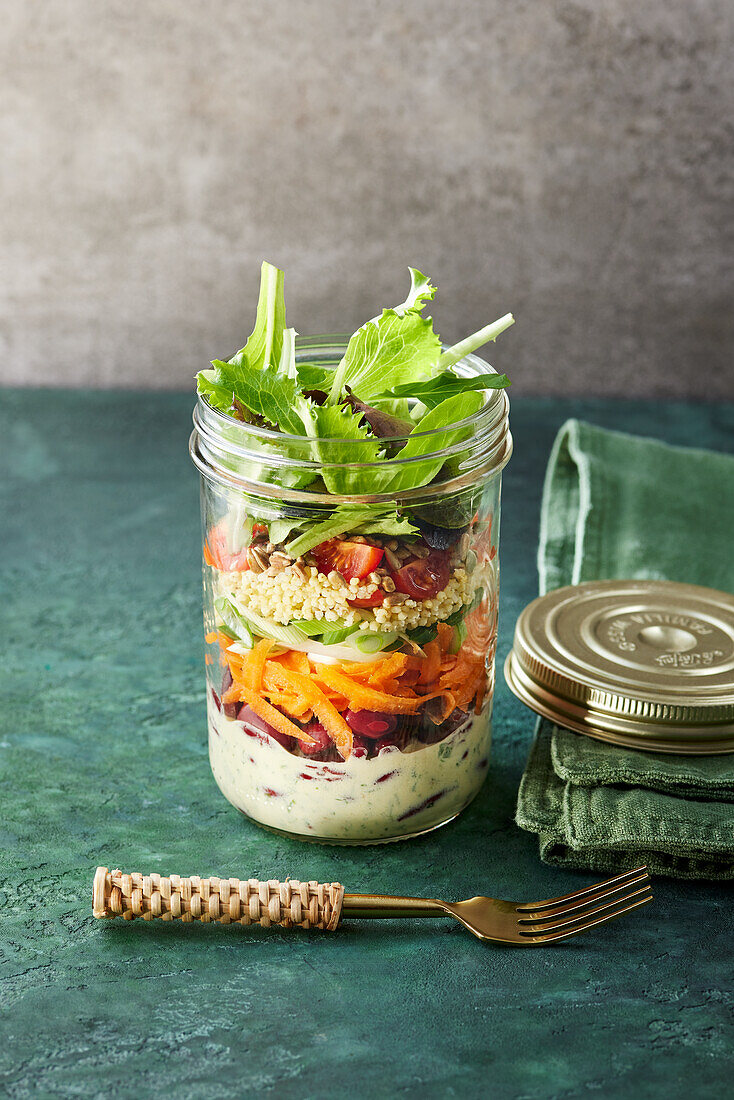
<point>619,506</point>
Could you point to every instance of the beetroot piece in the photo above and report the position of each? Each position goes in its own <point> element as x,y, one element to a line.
<point>371,723</point>
<point>389,741</point>
<point>253,723</point>
<point>425,805</point>
<point>229,709</point>
<point>323,741</point>
<point>360,747</point>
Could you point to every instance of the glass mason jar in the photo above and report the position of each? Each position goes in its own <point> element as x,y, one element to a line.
<point>356,710</point>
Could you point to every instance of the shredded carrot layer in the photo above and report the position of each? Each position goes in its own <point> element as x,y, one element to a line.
<point>329,717</point>
<point>253,670</point>
<point>272,716</point>
<point>290,686</point>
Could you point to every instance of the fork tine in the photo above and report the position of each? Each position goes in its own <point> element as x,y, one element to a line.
<point>581,918</point>
<point>550,902</point>
<point>600,894</point>
<point>591,924</point>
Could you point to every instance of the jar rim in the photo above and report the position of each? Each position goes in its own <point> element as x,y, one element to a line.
<point>491,443</point>
<point>340,340</point>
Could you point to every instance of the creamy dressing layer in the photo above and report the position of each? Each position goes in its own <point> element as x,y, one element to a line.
<point>394,794</point>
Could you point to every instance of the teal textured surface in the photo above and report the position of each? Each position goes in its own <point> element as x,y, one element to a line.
<point>103,760</point>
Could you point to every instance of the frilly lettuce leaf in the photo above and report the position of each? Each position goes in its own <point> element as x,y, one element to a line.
<point>313,377</point>
<point>421,292</point>
<point>261,376</point>
<point>265,392</point>
<point>386,523</point>
<point>339,436</point>
<point>398,346</point>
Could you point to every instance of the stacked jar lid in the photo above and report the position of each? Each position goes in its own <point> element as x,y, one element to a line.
<point>642,664</point>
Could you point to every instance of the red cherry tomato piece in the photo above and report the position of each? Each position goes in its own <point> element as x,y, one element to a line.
<point>216,555</point>
<point>238,562</point>
<point>423,578</point>
<point>351,559</point>
<point>368,601</point>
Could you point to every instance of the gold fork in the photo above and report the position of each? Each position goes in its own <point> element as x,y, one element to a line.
<point>525,923</point>
<point>317,905</point>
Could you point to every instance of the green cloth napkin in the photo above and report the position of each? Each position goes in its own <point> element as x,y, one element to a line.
<point>619,506</point>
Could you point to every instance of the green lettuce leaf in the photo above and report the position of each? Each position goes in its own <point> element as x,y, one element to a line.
<point>250,469</point>
<point>399,345</point>
<point>217,389</point>
<point>265,392</point>
<point>367,519</point>
<point>387,523</point>
<point>313,377</point>
<point>280,529</point>
<point>395,406</point>
<point>338,436</point>
<point>343,520</point>
<point>485,335</point>
<point>433,391</point>
<point>261,377</point>
<point>264,346</point>
<point>421,292</point>
<point>449,412</point>
<point>232,618</point>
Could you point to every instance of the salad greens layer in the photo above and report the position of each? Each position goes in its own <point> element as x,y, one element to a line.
<point>393,383</point>
<point>356,617</point>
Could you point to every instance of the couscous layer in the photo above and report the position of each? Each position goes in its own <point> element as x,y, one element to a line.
<point>308,594</point>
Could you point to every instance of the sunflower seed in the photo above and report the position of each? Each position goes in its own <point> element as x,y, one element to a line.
<point>257,560</point>
<point>279,559</point>
<point>391,559</point>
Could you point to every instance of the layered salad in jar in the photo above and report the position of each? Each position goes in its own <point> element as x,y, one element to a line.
<point>350,642</point>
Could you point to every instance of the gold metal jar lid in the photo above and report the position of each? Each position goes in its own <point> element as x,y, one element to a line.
<point>644,664</point>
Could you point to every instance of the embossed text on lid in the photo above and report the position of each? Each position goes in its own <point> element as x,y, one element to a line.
<point>649,663</point>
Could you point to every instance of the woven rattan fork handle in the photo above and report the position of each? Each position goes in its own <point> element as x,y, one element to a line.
<point>225,900</point>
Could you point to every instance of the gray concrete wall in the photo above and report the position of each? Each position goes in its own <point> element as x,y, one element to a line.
<point>569,161</point>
